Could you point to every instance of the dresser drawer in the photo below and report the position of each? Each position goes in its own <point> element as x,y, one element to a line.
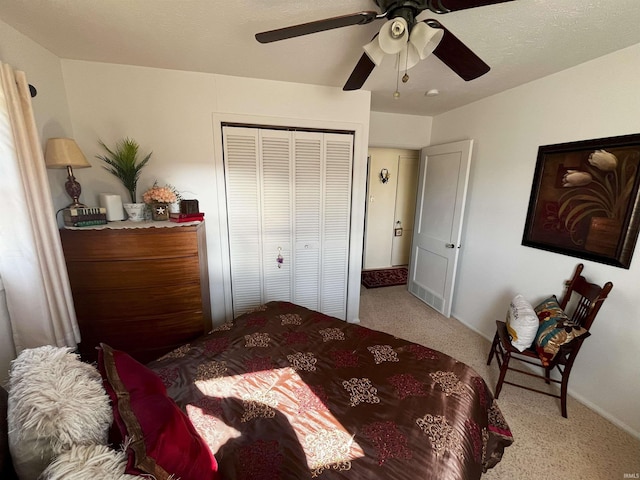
<point>93,276</point>
<point>136,303</point>
<point>134,244</point>
<point>144,338</point>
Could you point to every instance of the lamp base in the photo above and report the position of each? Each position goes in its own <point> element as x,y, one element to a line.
<point>76,205</point>
<point>73,189</point>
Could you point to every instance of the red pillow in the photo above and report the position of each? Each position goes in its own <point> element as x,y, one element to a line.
<point>162,440</point>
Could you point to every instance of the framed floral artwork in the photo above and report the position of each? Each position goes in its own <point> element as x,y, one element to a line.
<point>584,200</point>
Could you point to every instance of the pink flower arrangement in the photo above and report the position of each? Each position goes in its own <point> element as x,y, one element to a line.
<point>156,194</point>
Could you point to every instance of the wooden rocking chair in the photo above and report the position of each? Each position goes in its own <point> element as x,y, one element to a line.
<point>590,299</point>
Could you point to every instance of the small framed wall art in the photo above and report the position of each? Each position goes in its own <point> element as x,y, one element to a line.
<point>584,200</point>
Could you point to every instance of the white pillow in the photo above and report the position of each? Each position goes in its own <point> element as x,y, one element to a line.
<point>522,323</point>
<point>55,401</point>
<point>94,462</point>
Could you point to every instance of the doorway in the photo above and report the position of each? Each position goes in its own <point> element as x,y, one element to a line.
<point>392,183</point>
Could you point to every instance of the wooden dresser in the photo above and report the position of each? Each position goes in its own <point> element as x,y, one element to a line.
<point>141,290</point>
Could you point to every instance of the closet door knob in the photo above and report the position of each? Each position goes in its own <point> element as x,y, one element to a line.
<point>450,245</point>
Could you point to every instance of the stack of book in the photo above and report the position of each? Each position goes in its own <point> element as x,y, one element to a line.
<point>186,217</point>
<point>84,217</point>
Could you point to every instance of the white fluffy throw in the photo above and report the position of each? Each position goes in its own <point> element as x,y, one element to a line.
<point>55,401</point>
<point>88,462</point>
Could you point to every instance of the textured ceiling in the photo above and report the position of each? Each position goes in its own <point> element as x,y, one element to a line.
<point>521,40</point>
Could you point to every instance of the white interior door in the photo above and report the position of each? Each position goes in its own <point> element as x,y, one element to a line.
<point>442,191</point>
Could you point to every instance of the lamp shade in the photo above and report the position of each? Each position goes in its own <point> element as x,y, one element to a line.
<point>63,153</point>
<point>393,38</point>
<point>394,35</point>
<point>374,52</point>
<point>425,39</point>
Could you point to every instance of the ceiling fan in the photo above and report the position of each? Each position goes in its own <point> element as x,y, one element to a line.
<point>403,35</point>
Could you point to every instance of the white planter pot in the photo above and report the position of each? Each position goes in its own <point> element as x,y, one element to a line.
<point>174,207</point>
<point>135,211</point>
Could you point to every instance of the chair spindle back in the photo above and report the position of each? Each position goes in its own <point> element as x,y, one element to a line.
<point>590,298</point>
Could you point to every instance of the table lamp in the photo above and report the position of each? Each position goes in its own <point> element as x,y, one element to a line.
<point>65,153</point>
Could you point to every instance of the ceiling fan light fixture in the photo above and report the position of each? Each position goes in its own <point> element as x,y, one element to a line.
<point>374,52</point>
<point>398,28</point>
<point>393,35</point>
<point>408,57</point>
<point>425,39</point>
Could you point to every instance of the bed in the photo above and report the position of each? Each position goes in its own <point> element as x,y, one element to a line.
<point>281,393</point>
<point>285,392</point>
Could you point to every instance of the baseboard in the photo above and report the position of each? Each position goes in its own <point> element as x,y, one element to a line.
<point>603,413</point>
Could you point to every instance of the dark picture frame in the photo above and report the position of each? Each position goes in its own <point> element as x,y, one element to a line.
<point>585,200</point>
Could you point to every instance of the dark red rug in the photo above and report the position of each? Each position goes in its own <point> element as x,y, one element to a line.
<point>385,277</point>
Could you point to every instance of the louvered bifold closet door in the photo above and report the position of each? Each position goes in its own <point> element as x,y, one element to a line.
<point>242,179</point>
<point>308,185</point>
<point>288,197</point>
<point>259,196</point>
<point>338,153</point>
<point>276,159</point>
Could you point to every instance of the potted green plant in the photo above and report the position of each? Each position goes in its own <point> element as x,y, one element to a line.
<point>123,162</point>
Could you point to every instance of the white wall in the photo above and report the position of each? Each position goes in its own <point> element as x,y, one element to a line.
<point>397,130</point>
<point>594,100</point>
<point>45,73</point>
<point>177,115</point>
<point>43,70</point>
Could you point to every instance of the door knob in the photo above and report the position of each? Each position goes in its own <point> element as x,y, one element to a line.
<point>450,245</point>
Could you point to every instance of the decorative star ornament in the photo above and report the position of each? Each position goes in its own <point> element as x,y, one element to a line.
<point>160,210</point>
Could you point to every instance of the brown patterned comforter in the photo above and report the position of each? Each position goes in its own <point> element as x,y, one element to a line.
<point>289,393</point>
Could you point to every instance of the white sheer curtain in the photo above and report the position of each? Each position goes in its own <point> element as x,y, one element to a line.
<point>32,265</point>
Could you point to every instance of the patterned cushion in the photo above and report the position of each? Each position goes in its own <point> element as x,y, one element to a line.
<point>555,330</point>
<point>522,323</point>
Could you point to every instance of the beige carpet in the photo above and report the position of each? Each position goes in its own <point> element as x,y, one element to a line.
<point>547,446</point>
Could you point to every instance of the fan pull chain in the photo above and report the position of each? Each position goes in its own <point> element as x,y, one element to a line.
<point>396,94</point>
<point>405,77</point>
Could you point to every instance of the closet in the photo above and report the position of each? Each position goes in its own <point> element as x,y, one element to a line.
<point>288,213</point>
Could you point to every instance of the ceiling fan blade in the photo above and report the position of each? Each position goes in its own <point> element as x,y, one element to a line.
<point>360,73</point>
<point>457,56</point>
<point>360,18</point>
<point>455,5</point>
